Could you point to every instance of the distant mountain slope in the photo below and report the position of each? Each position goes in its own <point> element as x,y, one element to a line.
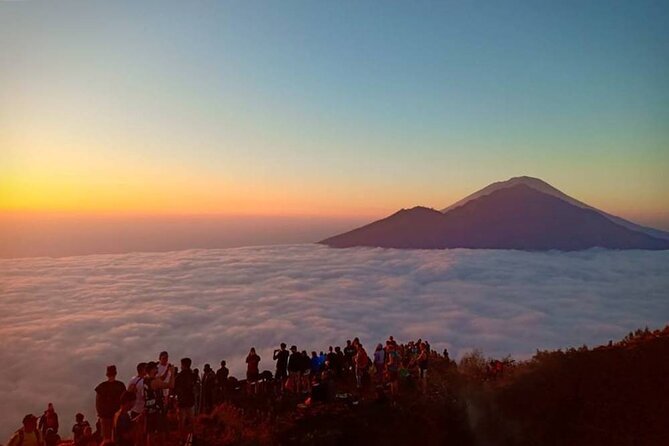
<point>515,217</point>
<point>542,186</point>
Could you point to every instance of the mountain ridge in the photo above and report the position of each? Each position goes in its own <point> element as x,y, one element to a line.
<point>516,216</point>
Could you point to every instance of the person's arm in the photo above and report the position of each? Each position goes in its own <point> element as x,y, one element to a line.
<point>14,440</point>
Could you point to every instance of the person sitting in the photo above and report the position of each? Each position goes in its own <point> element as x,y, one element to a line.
<point>78,428</point>
<point>88,438</point>
<point>51,438</point>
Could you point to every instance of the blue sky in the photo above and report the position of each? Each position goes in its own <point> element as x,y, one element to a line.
<point>331,108</point>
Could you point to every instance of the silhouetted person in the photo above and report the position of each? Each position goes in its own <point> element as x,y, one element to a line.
<point>184,389</point>
<point>361,362</point>
<point>197,388</point>
<point>78,429</point>
<point>222,375</point>
<point>88,439</point>
<point>154,404</point>
<point>349,353</point>
<point>124,426</point>
<point>379,362</point>
<point>208,389</point>
<point>295,369</point>
<point>252,371</point>
<point>108,401</point>
<point>49,420</point>
<point>281,358</point>
<point>28,434</point>
<point>165,371</point>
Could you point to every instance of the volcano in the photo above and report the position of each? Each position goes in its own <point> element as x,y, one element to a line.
<point>522,213</point>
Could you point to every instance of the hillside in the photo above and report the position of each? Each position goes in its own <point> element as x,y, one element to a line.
<point>611,395</point>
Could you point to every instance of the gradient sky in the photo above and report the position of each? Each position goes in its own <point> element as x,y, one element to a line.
<point>330,108</point>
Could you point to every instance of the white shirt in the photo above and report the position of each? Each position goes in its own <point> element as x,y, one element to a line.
<point>138,382</point>
<point>161,371</point>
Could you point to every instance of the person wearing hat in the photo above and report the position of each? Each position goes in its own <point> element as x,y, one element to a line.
<point>28,435</point>
<point>108,401</point>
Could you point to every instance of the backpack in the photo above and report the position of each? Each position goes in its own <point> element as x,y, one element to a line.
<point>153,399</point>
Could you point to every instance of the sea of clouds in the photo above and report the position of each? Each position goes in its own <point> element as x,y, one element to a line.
<point>62,320</point>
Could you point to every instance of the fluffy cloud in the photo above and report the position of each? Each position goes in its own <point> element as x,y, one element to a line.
<point>62,320</point>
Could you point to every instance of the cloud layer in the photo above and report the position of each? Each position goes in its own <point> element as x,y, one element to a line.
<point>62,320</point>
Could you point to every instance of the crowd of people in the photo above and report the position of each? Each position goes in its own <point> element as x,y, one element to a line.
<point>136,414</point>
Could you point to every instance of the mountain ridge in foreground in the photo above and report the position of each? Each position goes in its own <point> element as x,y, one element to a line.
<point>522,213</point>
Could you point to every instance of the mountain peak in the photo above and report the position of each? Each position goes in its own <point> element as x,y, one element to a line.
<point>519,213</point>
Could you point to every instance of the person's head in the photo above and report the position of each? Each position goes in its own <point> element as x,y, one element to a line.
<point>49,407</point>
<point>330,349</point>
<point>379,347</point>
<point>186,363</point>
<point>283,346</point>
<point>196,372</point>
<point>337,349</point>
<point>79,417</point>
<point>207,368</point>
<point>127,400</point>
<point>293,348</point>
<point>314,355</point>
<point>348,342</point>
<point>29,423</point>
<point>151,369</point>
<point>223,363</point>
<point>163,357</point>
<point>252,351</point>
<point>111,372</point>
<point>141,369</point>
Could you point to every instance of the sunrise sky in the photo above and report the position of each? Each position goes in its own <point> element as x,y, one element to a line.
<point>329,109</point>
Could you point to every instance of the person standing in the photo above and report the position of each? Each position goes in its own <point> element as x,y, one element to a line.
<point>154,403</point>
<point>281,358</point>
<point>184,389</point>
<point>28,435</point>
<point>379,362</point>
<point>252,370</point>
<point>108,400</point>
<point>221,382</point>
<point>208,389</point>
<point>48,421</point>
<point>165,372</point>
<point>295,369</point>
<point>361,361</point>
<point>136,385</point>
